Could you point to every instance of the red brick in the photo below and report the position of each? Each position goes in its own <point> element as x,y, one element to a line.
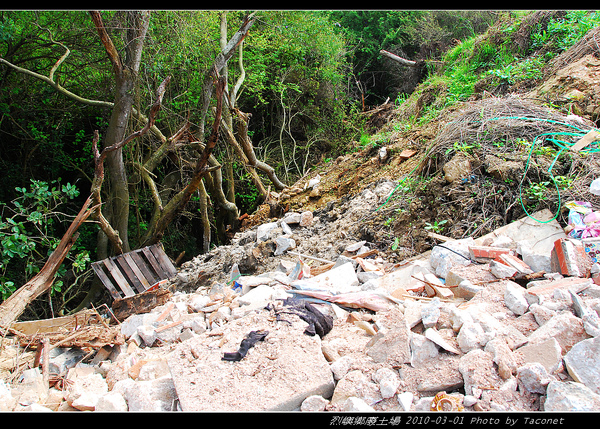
<point>487,252</point>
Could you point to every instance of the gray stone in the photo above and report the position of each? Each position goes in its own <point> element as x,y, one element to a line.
<point>570,396</point>
<point>283,244</point>
<point>314,403</point>
<point>358,385</point>
<point>442,259</point>
<point>583,363</point>
<point>565,327</point>
<point>532,377</point>
<point>147,333</point>
<point>421,349</point>
<point>467,290</point>
<point>514,298</point>
<point>388,381</point>
<point>263,232</point>
<point>434,336</point>
<point>277,374</point>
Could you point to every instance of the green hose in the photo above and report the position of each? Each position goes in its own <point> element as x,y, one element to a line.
<point>563,145</point>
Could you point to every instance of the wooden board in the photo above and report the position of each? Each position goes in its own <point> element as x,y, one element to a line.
<point>134,272</point>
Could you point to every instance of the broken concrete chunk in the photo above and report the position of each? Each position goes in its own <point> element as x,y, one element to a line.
<point>583,363</point>
<point>263,232</point>
<point>356,384</point>
<point>434,336</point>
<point>570,396</point>
<point>548,353</point>
<point>514,298</point>
<point>388,381</point>
<point>421,349</point>
<point>566,328</point>
<point>452,253</point>
<point>533,377</point>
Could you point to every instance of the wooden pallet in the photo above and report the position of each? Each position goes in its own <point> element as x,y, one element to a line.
<point>134,272</point>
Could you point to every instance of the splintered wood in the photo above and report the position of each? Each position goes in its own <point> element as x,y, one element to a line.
<point>84,330</point>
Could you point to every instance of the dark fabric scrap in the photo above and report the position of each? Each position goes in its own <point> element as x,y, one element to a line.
<point>318,323</point>
<point>251,339</point>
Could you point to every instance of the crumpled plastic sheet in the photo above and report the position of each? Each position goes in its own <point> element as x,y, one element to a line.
<point>584,222</point>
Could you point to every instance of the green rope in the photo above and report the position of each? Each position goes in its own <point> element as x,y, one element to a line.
<point>563,145</point>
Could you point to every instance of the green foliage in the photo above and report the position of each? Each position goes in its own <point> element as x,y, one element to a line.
<point>28,229</point>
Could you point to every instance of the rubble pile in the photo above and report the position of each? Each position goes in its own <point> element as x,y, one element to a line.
<point>302,313</point>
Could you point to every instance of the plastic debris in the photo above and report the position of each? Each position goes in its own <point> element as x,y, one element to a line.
<point>444,402</point>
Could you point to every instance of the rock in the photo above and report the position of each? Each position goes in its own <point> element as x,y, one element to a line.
<point>85,391</point>
<point>263,232</point>
<point>292,218</point>
<point>150,396</point>
<point>566,328</point>
<point>503,357</point>
<point>457,169</point>
<point>356,404</point>
<point>147,333</point>
<point>388,381</point>
<point>405,399</point>
<point>355,246</point>
<point>477,369</point>
<point>314,403</point>
<point>391,344</point>
<point>471,336</point>
<point>358,385</point>
<point>547,353</point>
<point>421,349</point>
<point>514,298</point>
<point>443,260</point>
<point>284,244</point>
<point>276,374</point>
<point>583,363</point>
<point>340,367</point>
<point>537,291</point>
<point>466,290</point>
<point>111,402</point>
<point>430,313</point>
<point>306,219</point>
<point>532,377</point>
<point>434,336</point>
<point>570,396</point>
<point>502,271</point>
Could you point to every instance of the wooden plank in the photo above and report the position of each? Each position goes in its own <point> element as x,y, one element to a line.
<point>131,277</point>
<point>154,263</point>
<point>159,252</point>
<point>119,278</point>
<point>143,266</point>
<point>145,284</point>
<point>105,280</point>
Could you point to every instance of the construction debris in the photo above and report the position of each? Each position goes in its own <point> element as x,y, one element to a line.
<point>329,325</point>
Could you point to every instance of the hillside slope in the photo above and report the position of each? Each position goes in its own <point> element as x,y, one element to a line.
<point>480,164</point>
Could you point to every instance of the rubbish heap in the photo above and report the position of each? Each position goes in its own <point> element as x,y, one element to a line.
<point>299,314</point>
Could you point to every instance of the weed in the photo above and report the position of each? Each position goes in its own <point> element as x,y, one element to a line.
<point>436,226</point>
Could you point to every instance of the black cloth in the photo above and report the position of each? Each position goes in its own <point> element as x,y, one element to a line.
<point>318,323</point>
<point>251,339</point>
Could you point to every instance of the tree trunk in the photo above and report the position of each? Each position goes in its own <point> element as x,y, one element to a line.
<point>15,304</point>
<point>125,77</point>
